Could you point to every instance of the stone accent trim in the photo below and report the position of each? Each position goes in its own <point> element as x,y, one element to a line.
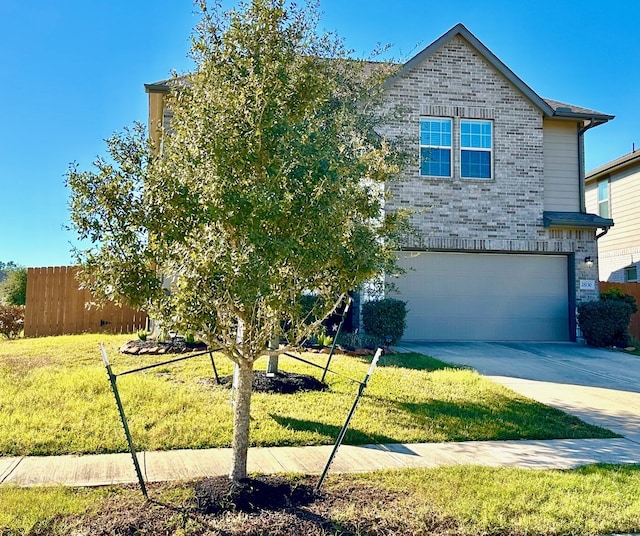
<point>498,245</point>
<point>457,111</point>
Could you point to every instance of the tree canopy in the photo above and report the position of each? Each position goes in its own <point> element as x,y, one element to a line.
<point>269,183</point>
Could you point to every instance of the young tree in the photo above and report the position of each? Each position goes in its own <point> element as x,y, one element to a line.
<point>269,184</point>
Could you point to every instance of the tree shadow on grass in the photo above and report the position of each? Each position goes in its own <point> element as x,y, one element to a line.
<point>331,432</point>
<point>415,361</point>
<point>503,419</point>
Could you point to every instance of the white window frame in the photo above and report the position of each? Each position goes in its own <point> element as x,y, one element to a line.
<point>603,201</point>
<point>447,147</point>
<point>469,147</point>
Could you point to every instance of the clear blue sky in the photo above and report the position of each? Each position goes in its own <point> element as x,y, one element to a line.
<point>72,73</point>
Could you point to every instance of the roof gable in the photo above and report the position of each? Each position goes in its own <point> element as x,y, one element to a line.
<point>485,53</point>
<point>548,107</point>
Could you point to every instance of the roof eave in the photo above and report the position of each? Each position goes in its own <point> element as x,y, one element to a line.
<point>157,87</point>
<point>597,118</point>
<point>614,166</point>
<point>575,220</point>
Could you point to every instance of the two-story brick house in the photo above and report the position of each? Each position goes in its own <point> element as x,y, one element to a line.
<point>503,233</point>
<point>497,189</point>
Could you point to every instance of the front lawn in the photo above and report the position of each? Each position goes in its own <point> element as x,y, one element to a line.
<point>55,398</point>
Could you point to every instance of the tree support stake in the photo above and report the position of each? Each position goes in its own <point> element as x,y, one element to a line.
<point>335,338</point>
<point>343,432</point>
<point>123,419</point>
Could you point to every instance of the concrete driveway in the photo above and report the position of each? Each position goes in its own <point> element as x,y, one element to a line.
<point>600,387</point>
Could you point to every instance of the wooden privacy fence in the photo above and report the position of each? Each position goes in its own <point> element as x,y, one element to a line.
<point>632,289</point>
<point>56,306</point>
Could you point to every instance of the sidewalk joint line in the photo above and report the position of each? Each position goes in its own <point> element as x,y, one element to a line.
<point>144,465</point>
<point>270,449</point>
<point>12,470</point>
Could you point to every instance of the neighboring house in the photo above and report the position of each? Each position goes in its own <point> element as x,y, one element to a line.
<point>503,237</point>
<point>613,191</point>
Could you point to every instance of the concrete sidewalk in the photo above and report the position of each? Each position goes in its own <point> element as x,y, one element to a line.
<point>106,469</point>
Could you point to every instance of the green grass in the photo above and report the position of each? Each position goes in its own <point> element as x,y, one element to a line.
<point>472,501</point>
<point>27,510</point>
<point>589,500</point>
<point>55,398</point>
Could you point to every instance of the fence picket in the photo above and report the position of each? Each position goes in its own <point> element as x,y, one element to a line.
<point>56,306</point>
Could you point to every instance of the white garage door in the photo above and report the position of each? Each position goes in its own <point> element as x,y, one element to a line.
<point>491,297</point>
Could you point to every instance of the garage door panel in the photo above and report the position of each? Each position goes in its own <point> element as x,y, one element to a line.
<point>469,296</point>
<point>495,306</point>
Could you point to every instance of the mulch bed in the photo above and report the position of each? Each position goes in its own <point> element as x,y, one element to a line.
<point>275,505</point>
<point>152,347</point>
<point>281,382</point>
<point>217,495</point>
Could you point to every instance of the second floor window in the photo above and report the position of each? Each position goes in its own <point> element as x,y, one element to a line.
<point>603,199</point>
<point>435,147</point>
<point>476,146</point>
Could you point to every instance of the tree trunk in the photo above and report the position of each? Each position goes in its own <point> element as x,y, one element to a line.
<point>272,363</point>
<point>241,417</point>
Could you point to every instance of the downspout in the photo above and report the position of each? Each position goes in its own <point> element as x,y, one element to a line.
<point>581,171</point>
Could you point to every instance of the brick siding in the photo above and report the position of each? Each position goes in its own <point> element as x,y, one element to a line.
<point>503,214</point>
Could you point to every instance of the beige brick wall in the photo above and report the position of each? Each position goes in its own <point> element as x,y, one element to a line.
<point>502,214</point>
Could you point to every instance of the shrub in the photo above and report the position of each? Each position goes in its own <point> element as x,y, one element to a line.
<point>605,322</point>
<point>325,340</point>
<point>11,320</point>
<point>616,294</point>
<point>13,289</point>
<point>385,318</point>
<point>351,341</point>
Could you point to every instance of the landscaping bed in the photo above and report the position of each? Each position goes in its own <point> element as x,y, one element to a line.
<point>176,345</point>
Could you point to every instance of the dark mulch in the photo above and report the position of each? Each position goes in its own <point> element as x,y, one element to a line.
<point>267,505</point>
<point>281,382</point>
<point>216,495</point>
<point>177,345</point>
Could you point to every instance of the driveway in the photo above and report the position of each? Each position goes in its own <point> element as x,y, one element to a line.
<point>599,386</point>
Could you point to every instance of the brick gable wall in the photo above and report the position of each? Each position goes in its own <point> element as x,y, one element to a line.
<point>502,214</point>
<point>456,82</point>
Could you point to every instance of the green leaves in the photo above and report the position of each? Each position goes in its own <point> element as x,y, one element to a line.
<point>108,207</point>
<point>270,183</point>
